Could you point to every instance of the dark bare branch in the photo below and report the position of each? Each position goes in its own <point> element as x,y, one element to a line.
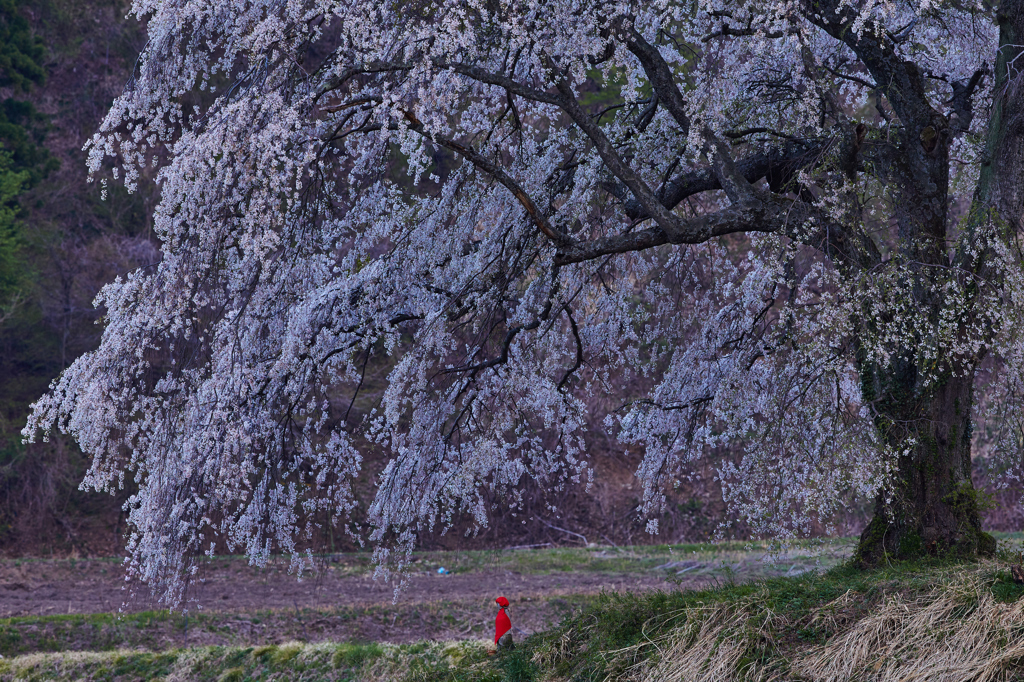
<point>513,86</point>
<point>961,104</point>
<point>776,164</point>
<point>662,79</point>
<point>900,81</point>
<point>729,31</point>
<point>668,221</point>
<point>757,211</point>
<point>495,171</point>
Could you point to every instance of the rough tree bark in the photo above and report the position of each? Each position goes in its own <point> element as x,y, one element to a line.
<point>933,508</point>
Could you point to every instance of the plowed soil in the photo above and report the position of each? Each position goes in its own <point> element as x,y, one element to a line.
<point>55,605</point>
<point>41,588</point>
<point>233,603</point>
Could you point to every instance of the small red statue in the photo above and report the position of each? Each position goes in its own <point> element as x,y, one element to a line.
<point>503,626</point>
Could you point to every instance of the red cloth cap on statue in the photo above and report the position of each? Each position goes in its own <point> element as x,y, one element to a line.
<point>502,624</point>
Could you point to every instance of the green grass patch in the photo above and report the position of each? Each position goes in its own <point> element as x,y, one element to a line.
<point>600,559</point>
<point>155,630</point>
<point>354,656</point>
<point>285,654</point>
<point>94,632</point>
<point>232,675</point>
<point>421,662</point>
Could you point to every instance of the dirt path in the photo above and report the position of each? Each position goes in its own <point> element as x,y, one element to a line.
<point>39,588</point>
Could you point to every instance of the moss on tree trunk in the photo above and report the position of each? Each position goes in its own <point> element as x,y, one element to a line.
<point>933,507</point>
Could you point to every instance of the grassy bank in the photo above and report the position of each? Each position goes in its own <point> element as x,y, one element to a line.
<point>926,621</point>
<point>916,621</point>
<point>290,661</point>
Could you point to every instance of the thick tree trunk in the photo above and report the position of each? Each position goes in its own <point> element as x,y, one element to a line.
<point>1001,184</point>
<point>933,507</point>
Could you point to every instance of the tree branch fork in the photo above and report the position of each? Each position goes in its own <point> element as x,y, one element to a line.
<point>750,209</point>
<point>781,209</point>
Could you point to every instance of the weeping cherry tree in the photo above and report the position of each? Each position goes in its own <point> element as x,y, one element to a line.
<point>783,230</point>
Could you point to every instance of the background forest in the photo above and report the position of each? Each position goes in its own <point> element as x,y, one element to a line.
<point>61,64</point>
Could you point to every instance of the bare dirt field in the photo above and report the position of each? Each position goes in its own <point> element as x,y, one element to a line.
<point>48,605</point>
<point>41,588</point>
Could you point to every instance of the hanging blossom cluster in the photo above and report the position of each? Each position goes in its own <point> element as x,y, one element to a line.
<point>511,207</point>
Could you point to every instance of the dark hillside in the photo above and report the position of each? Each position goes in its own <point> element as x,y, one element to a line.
<point>61,63</point>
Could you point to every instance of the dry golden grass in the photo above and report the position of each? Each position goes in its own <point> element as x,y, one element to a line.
<point>952,633</point>
<point>958,632</point>
<point>706,649</point>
